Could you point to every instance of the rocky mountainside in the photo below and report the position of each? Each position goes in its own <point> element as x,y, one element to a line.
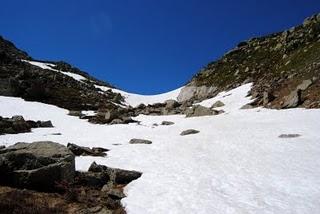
<point>22,79</point>
<point>277,64</point>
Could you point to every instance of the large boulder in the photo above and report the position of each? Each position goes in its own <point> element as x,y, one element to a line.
<point>198,93</point>
<point>38,165</point>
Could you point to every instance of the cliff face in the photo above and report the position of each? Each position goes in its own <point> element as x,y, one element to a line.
<point>277,64</point>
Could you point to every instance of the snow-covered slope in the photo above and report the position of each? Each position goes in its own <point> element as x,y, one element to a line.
<point>136,99</point>
<point>130,98</point>
<point>236,164</point>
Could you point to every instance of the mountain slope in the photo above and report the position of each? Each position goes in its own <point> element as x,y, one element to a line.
<point>276,64</point>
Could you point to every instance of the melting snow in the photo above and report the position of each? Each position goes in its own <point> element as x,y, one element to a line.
<point>236,164</point>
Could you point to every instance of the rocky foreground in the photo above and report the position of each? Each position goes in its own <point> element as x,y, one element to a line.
<point>40,177</point>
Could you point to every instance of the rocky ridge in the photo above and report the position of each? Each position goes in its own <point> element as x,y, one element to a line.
<point>277,64</point>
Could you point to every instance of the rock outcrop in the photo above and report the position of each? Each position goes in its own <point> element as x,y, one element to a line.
<point>38,165</point>
<point>17,124</point>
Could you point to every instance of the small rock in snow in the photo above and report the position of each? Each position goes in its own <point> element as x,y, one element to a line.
<point>189,131</point>
<point>167,123</point>
<point>139,141</point>
<point>289,135</point>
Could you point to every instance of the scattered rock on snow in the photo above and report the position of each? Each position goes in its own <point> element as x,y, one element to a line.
<point>167,123</point>
<point>189,131</point>
<point>289,135</point>
<point>139,141</point>
<point>86,151</point>
<point>37,165</point>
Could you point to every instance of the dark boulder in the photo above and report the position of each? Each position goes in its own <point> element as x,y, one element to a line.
<point>117,176</point>
<point>86,151</point>
<point>38,165</point>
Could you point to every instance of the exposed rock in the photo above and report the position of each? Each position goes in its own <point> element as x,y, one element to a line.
<point>38,165</point>
<point>171,104</point>
<point>217,104</point>
<point>292,100</point>
<point>304,85</point>
<point>139,141</point>
<point>2,147</point>
<point>75,113</point>
<point>247,106</point>
<point>198,110</point>
<point>117,176</point>
<point>86,151</point>
<point>45,124</point>
<point>196,93</point>
<point>189,131</point>
<point>17,124</point>
<point>93,179</point>
<point>289,135</point>
<point>167,123</point>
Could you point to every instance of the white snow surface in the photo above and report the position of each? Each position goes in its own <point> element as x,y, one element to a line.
<point>49,66</point>
<point>236,164</point>
<point>136,99</point>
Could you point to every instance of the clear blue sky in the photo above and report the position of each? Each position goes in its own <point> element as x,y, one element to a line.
<point>144,46</point>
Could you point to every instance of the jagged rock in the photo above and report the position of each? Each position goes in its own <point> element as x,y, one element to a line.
<point>86,151</point>
<point>189,131</point>
<point>217,104</point>
<point>289,135</point>
<point>117,176</point>
<point>37,165</point>
<point>167,123</point>
<point>198,110</point>
<point>139,141</point>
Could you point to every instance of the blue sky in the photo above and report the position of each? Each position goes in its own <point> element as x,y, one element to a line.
<point>143,46</point>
